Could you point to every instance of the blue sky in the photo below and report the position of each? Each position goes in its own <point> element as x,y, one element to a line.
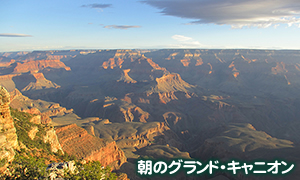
<point>111,24</point>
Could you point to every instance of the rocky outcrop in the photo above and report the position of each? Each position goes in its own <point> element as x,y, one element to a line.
<point>135,114</point>
<point>33,132</point>
<point>33,66</point>
<point>57,57</point>
<point>37,107</point>
<point>20,102</point>
<point>39,82</point>
<point>166,97</point>
<point>8,136</point>
<point>57,170</point>
<point>126,78</point>
<point>54,111</point>
<point>6,64</point>
<point>172,82</point>
<point>52,139</point>
<point>16,94</point>
<point>77,141</point>
<point>36,119</point>
<point>154,65</point>
<point>136,134</point>
<point>238,140</point>
<point>7,77</point>
<point>127,53</point>
<point>112,63</point>
<point>49,137</point>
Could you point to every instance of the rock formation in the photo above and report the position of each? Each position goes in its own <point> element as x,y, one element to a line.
<point>39,82</point>
<point>38,107</point>
<point>237,140</point>
<point>57,170</point>
<point>136,134</point>
<point>172,82</point>
<point>76,141</point>
<point>32,66</point>
<point>52,139</point>
<point>8,136</point>
<point>190,93</point>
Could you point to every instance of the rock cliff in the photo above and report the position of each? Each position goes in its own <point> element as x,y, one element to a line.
<point>76,141</point>
<point>8,136</point>
<point>39,107</point>
<point>241,141</point>
<point>39,82</point>
<point>39,65</point>
<point>136,134</point>
<point>172,82</point>
<point>19,124</point>
<point>52,139</point>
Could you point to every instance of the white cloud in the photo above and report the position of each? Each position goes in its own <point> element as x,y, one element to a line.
<point>237,13</point>
<point>186,42</point>
<point>97,6</point>
<point>14,35</point>
<point>120,27</point>
<point>181,38</point>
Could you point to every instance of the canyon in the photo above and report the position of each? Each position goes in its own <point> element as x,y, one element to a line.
<point>161,104</point>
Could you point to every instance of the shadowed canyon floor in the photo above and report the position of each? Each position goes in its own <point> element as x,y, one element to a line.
<point>164,104</point>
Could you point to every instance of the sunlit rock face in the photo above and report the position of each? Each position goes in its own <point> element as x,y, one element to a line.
<point>77,141</point>
<point>8,136</point>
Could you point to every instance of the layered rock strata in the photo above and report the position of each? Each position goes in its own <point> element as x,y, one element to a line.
<point>8,135</point>
<point>76,141</point>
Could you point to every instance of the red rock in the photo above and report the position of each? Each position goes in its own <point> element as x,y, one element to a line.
<point>39,65</point>
<point>8,135</point>
<point>77,141</point>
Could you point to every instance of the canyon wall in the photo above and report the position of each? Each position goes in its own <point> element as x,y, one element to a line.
<point>8,135</point>
<point>76,141</point>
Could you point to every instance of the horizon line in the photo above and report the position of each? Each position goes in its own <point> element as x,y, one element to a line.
<point>93,49</point>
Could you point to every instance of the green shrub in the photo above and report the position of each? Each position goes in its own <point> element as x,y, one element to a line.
<point>26,167</point>
<point>91,170</point>
<point>3,162</point>
<point>65,156</point>
<point>23,126</point>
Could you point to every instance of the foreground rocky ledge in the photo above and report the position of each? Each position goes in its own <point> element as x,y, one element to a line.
<point>77,141</point>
